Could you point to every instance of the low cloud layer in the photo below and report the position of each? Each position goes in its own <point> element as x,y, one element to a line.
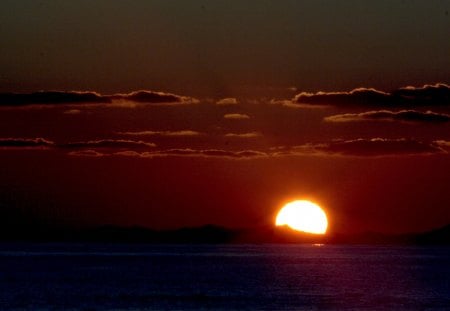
<point>375,147</point>
<point>410,116</point>
<point>428,95</point>
<point>213,153</point>
<point>80,97</point>
<point>380,146</point>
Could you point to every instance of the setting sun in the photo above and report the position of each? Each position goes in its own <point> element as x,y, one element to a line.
<point>303,216</point>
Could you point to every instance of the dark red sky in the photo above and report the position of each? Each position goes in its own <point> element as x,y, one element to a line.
<point>244,107</point>
<point>222,48</point>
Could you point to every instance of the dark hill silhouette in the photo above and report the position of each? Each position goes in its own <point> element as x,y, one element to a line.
<point>437,236</point>
<point>208,234</point>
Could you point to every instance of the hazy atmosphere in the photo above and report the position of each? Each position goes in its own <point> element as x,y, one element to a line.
<point>169,114</point>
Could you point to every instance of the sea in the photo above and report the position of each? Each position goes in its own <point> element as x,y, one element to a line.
<point>223,277</point>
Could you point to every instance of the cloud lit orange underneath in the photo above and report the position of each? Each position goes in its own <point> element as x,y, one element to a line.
<point>302,215</point>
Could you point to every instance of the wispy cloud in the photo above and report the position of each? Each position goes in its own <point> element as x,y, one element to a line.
<point>163,133</point>
<point>361,147</point>
<point>227,101</point>
<point>244,135</point>
<point>410,116</point>
<point>374,147</point>
<point>292,104</point>
<point>72,111</point>
<point>207,153</point>
<point>236,116</point>
<point>87,153</point>
<point>443,144</point>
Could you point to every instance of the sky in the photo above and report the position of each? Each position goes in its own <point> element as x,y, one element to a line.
<point>168,114</point>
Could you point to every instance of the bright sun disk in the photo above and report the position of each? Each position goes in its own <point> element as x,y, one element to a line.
<point>303,215</point>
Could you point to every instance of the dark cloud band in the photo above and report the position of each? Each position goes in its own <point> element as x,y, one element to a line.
<point>428,95</point>
<point>77,97</point>
<point>25,143</point>
<point>410,116</point>
<point>151,97</point>
<point>109,143</point>
<point>51,98</point>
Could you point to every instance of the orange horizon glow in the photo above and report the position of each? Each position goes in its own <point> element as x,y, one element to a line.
<point>303,215</point>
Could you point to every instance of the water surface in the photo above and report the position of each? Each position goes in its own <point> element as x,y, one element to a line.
<point>227,277</point>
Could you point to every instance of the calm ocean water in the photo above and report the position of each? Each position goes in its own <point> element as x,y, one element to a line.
<point>229,277</point>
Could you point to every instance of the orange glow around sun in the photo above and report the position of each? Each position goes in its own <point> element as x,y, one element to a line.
<point>303,215</point>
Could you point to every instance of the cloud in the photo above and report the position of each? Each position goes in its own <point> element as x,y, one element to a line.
<point>379,146</point>
<point>151,97</point>
<point>375,147</point>
<point>236,116</point>
<point>438,93</point>
<point>427,95</point>
<point>244,154</point>
<point>82,97</point>
<point>291,104</point>
<point>27,143</point>
<point>163,133</point>
<point>110,144</point>
<point>410,116</point>
<point>86,153</point>
<point>244,135</point>
<point>207,153</point>
<point>72,111</point>
<point>443,144</point>
<point>42,143</point>
<point>227,101</point>
<point>232,154</point>
<point>363,96</point>
<point>51,98</point>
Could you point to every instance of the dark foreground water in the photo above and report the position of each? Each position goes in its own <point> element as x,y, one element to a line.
<point>245,277</point>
